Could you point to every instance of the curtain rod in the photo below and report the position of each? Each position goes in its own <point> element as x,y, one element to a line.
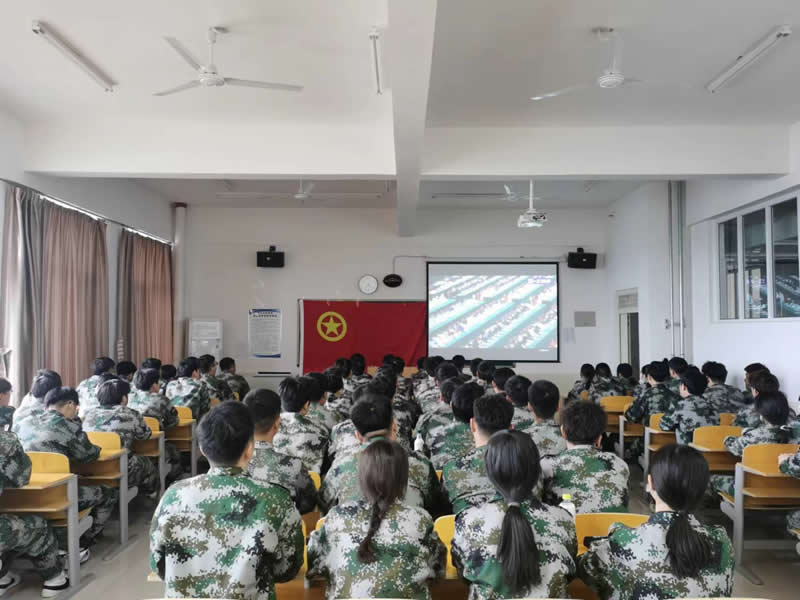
<point>92,214</point>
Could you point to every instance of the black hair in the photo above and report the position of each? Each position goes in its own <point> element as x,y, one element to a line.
<point>296,392</point>
<point>168,372</point>
<point>345,366</point>
<point>151,363</point>
<point>5,385</point>
<point>680,478</point>
<point>429,365</point>
<point>764,382</point>
<point>145,379</point>
<point>207,363</point>
<point>587,373</point>
<point>501,375</point>
<point>225,432</point>
<point>226,364</point>
<point>583,422</point>
<point>492,413</point>
<point>715,371</point>
<point>111,392</point>
<point>265,408</point>
<point>319,387</point>
<point>383,478</point>
<point>773,406</point>
<point>659,371</point>
<point>59,396</point>
<point>382,386</point>
<point>463,400</point>
<point>602,370</point>
<point>753,367</point>
<point>694,381</point>
<point>101,365</point>
<point>459,361</point>
<point>399,365</point>
<point>678,364</point>
<point>333,378</point>
<point>387,359</point>
<point>358,364</point>
<point>473,366</point>
<point>486,371</point>
<point>188,366</point>
<point>44,381</point>
<point>125,368</point>
<point>387,372</point>
<point>361,391</point>
<point>543,396</point>
<point>625,370</point>
<point>446,370</point>
<point>372,413</point>
<point>516,388</point>
<point>421,363</point>
<point>448,386</point>
<point>645,370</point>
<point>512,465</point>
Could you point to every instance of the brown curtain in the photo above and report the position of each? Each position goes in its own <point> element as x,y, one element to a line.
<point>144,298</point>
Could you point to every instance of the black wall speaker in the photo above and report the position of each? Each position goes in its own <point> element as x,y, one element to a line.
<point>582,260</point>
<point>392,280</point>
<point>269,259</point>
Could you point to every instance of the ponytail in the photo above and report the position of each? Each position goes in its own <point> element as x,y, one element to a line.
<point>689,550</point>
<point>517,551</point>
<point>366,554</point>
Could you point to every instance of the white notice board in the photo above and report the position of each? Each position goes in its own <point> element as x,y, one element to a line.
<point>264,332</point>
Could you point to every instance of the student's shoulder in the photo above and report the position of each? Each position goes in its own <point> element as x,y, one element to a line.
<point>413,516</point>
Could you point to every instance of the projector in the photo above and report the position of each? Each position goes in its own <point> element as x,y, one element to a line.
<point>531,218</point>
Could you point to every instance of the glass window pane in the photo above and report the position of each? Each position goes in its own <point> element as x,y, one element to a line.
<point>755,265</point>
<point>784,255</point>
<point>728,270</point>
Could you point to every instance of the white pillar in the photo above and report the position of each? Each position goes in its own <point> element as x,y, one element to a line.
<point>178,270</point>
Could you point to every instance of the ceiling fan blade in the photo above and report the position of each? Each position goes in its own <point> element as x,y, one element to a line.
<point>184,52</point>
<point>632,81</point>
<point>560,92</point>
<point>616,58</point>
<point>263,84</point>
<point>184,86</point>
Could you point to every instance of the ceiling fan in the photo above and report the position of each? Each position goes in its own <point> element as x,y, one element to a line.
<point>303,193</point>
<point>207,75</point>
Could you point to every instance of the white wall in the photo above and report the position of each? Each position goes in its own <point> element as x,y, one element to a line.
<point>327,250</point>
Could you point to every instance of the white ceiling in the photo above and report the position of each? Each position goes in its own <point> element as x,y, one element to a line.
<point>491,57</point>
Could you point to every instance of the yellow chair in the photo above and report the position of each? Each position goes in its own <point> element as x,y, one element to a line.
<point>709,440</point>
<point>184,413</point>
<point>154,448</point>
<point>627,430</point>
<point>213,402</point>
<point>183,435</point>
<point>439,474</point>
<point>236,396</point>
<point>445,529</point>
<point>727,418</point>
<point>107,440</point>
<point>584,395</point>
<point>153,424</point>
<point>310,521</point>
<point>654,439</point>
<point>315,478</point>
<point>320,523</point>
<point>597,524</point>
<point>615,408</point>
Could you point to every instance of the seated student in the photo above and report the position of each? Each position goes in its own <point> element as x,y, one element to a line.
<point>188,390</point>
<point>460,362</point>
<point>603,384</point>
<point>464,479</point>
<point>677,367</point>
<point>643,384</point>
<point>514,546</point>
<point>749,371</point>
<point>485,374</point>
<point>724,398</point>
<point>624,379</point>
<point>432,402</point>
<point>516,392</point>
<point>217,388</point>
<point>32,404</point>
<point>6,411</point>
<point>693,411</point>
<point>87,389</point>
<point>372,417</point>
<point>151,363</point>
<point>454,439</point>
<point>439,416</point>
<point>28,535</point>
<point>773,410</point>
<point>543,397</point>
<point>57,430</point>
<point>358,372</point>
<point>317,410</point>
<point>377,546</point>
<point>672,554</point>
<point>168,373</point>
<point>473,369</point>
<point>597,481</point>
<point>583,384</point>
<point>339,400</point>
<point>760,382</point>
<point>269,465</point>
<point>114,416</point>
<point>404,413</point>
<point>298,435</point>
<point>236,383</point>
<point>125,370</point>
<point>222,534</point>
<point>789,464</point>
<point>499,378</point>
<point>657,399</point>
<point>427,395</point>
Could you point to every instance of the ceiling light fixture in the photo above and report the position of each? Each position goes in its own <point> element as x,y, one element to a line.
<point>375,38</point>
<point>92,71</point>
<point>749,57</point>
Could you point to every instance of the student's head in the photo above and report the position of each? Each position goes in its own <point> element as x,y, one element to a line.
<point>319,387</point>
<point>773,407</point>
<point>296,393</point>
<point>693,382</point>
<point>490,413</point>
<point>677,366</point>
<point>151,363</point>
<point>208,364</point>
<point>431,364</point>
<point>763,382</point>
<point>512,465</point>
<point>372,416</point>
<point>334,383</point>
<point>602,370</point>
<point>446,370</point>
<point>658,372</point>
<point>383,478</point>
<point>227,365</point>
<point>226,435</point>
<point>113,392</point>
<point>44,381</point>
<point>486,371</point>
<point>168,372</point>
<point>387,372</point>
<point>125,370</point>
<point>189,367</point>
<point>587,372</point>
<point>644,372</point>
<point>583,423</point>
<point>102,365</point>
<point>464,399</point>
<point>715,372</point>
<point>265,409</point>
<point>399,365</point>
<point>64,400</point>
<point>752,368</point>
<point>345,366</point>
<point>146,380</point>
<point>679,478</point>
<point>448,387</point>
<point>459,361</point>
<point>516,389</point>
<point>543,397</point>
<point>421,363</point>
<point>473,366</point>
<point>501,376</point>
<point>624,370</point>
<point>387,359</point>
<point>358,364</point>
<point>382,386</point>
<point>5,391</point>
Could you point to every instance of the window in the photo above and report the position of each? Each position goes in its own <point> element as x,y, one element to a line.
<point>785,260</point>
<point>755,265</point>
<point>728,270</point>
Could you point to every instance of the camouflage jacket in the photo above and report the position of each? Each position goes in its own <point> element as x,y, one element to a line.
<point>237,383</point>
<point>577,389</point>
<point>747,417</point>
<point>162,386</point>
<point>674,385</point>
<point>405,415</point>
<point>725,398</point>
<point>217,388</point>
<point>87,394</point>
<point>523,418</point>
<point>320,414</point>
<point>30,407</point>
<point>407,553</point>
<point>633,563</point>
<point>597,481</point>
<point>52,432</point>
<point>547,437</point>
<point>422,385</point>
<point>223,535</point>
<point>285,471</point>
<point>340,405</point>
<point>477,535</point>
<point>15,466</point>
<point>352,382</point>
<point>128,424</point>
<point>441,414</point>
<point>154,405</point>
<point>763,434</point>
<point>303,438</point>
<point>686,416</point>
<point>657,399</point>
<point>186,391</point>
<point>6,417</point>
<point>450,441</point>
<point>640,389</point>
<point>343,439</point>
<point>430,398</point>
<point>791,467</point>
<point>623,383</point>
<point>605,386</point>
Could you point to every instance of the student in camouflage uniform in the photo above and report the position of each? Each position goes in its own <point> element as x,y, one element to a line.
<point>485,375</point>
<point>773,409</point>
<point>222,534</point>
<point>32,404</point>
<point>237,383</point>
<point>440,411</point>
<point>29,535</point>
<point>372,417</point>
<point>217,388</point>
<point>425,378</point>
<point>429,398</point>
<point>188,390</point>
<point>514,546</point>
<point>760,382</point>
<point>677,367</point>
<point>87,389</point>
<point>454,439</point>
<point>125,370</point>
<point>657,399</point>
<point>499,378</point>
<point>298,435</point>
<point>358,370</point>
<point>114,416</point>
<point>671,555</point>
<point>317,411</point>
<point>377,546</point>
<point>516,392</point>
<point>789,464</point>
<point>6,411</point>
<point>543,397</point>
<point>624,379</point>
<point>597,481</point>
<point>385,384</point>
<point>57,431</point>
<point>693,411</point>
<point>168,374</point>
<point>724,398</point>
<point>603,384</point>
<point>269,465</point>
<point>643,384</point>
<point>583,384</point>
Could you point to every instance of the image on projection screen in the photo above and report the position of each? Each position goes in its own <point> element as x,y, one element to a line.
<point>494,311</point>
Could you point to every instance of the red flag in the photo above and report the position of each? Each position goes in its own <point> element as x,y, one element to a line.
<point>332,329</point>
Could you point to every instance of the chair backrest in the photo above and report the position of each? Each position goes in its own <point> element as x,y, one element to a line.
<point>320,523</point>
<point>105,439</point>
<point>445,528</point>
<point>48,462</point>
<point>213,402</point>
<point>655,420</point>
<point>236,396</point>
<point>584,395</point>
<point>315,478</point>
<point>712,436</point>
<point>152,423</point>
<point>439,474</point>
<point>615,403</point>
<point>727,418</point>
<point>764,457</point>
<point>184,413</point>
<point>597,524</point>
